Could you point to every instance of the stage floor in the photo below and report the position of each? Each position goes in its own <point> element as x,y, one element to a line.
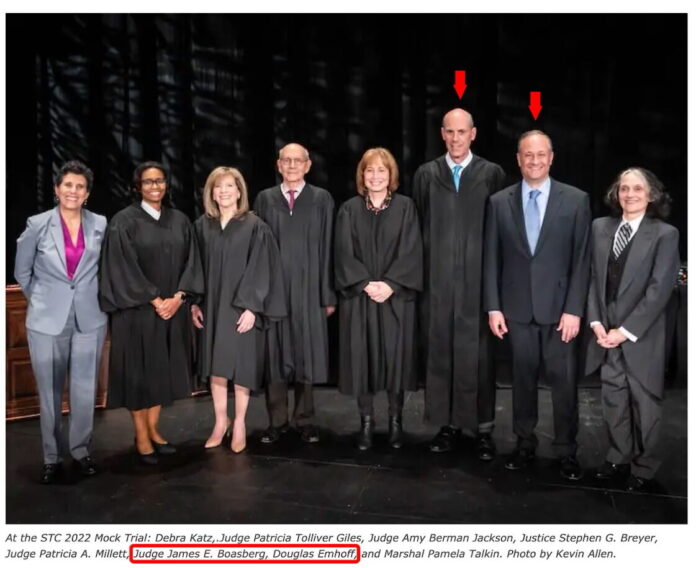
<point>331,482</point>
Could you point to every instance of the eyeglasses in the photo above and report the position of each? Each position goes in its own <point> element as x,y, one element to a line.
<point>151,182</point>
<point>293,161</point>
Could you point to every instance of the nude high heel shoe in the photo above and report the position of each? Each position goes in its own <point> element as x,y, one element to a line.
<point>238,446</point>
<point>215,442</point>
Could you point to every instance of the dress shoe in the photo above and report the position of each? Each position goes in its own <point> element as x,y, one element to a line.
<point>485,447</point>
<point>86,466</point>
<point>570,468</point>
<point>148,459</point>
<point>238,444</point>
<point>165,449</point>
<point>445,440</point>
<point>396,432</point>
<point>638,484</point>
<point>50,473</point>
<point>367,431</point>
<point>520,459</point>
<point>216,442</point>
<point>309,434</point>
<point>273,434</point>
<point>613,471</point>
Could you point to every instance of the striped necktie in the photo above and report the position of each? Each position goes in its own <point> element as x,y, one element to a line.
<point>621,240</point>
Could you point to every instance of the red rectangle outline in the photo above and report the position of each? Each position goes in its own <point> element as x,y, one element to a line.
<point>249,545</point>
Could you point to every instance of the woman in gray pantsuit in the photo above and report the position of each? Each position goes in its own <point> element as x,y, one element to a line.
<point>635,262</point>
<point>56,266</point>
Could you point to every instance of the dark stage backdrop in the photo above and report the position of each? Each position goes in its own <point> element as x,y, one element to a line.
<point>198,91</point>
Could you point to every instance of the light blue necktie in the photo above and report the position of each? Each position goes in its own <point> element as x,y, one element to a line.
<point>455,174</point>
<point>532,219</point>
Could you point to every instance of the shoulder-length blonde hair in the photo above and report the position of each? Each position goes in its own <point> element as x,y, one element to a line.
<point>385,156</point>
<point>209,204</point>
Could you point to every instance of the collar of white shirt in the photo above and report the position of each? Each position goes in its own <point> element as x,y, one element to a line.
<point>635,223</point>
<point>464,163</point>
<point>151,211</point>
<point>297,190</point>
<point>544,188</point>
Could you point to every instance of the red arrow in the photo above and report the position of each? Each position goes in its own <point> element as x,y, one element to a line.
<point>460,82</point>
<point>535,103</point>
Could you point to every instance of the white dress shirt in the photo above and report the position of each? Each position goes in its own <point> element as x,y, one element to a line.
<point>151,211</point>
<point>464,163</point>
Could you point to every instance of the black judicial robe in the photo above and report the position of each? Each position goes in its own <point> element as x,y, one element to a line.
<point>298,346</point>
<point>142,259</point>
<point>377,341</point>
<point>242,271</point>
<point>453,330</point>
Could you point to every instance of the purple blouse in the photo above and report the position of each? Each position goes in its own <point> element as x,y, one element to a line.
<point>73,253</point>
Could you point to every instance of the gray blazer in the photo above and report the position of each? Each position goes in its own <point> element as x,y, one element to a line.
<point>41,271</point>
<point>554,279</point>
<point>648,278</point>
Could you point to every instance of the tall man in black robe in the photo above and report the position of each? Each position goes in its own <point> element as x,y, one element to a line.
<point>451,194</point>
<point>301,218</point>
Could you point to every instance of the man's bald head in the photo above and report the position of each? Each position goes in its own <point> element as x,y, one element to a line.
<point>457,114</point>
<point>293,147</point>
<point>458,132</point>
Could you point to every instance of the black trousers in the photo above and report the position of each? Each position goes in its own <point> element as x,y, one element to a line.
<point>277,404</point>
<point>534,347</point>
<point>395,401</point>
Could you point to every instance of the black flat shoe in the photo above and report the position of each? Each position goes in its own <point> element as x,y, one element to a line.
<point>148,459</point>
<point>520,459</point>
<point>367,430</point>
<point>87,467</point>
<point>637,484</point>
<point>273,434</point>
<point>445,440</point>
<point>309,434</point>
<point>570,468</point>
<point>165,449</point>
<point>485,447</point>
<point>396,432</point>
<point>613,471</point>
<point>50,473</point>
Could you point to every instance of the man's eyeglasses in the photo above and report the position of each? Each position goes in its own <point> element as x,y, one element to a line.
<point>293,161</point>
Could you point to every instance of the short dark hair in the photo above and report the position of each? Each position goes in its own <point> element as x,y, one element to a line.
<point>660,201</point>
<point>140,168</point>
<point>74,167</point>
<point>534,133</point>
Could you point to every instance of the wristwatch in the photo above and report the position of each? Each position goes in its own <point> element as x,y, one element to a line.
<point>181,295</point>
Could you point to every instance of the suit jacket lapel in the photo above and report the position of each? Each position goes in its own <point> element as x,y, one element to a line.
<point>551,214</point>
<point>57,234</point>
<point>640,244</point>
<point>604,244</point>
<point>515,201</point>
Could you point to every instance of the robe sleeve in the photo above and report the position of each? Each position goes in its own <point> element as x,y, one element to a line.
<point>351,274</point>
<point>191,280</point>
<point>122,284</point>
<point>261,289</point>
<point>326,290</point>
<point>405,273</point>
<point>420,198</point>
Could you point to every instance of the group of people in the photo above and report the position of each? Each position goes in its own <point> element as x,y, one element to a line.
<point>422,285</point>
